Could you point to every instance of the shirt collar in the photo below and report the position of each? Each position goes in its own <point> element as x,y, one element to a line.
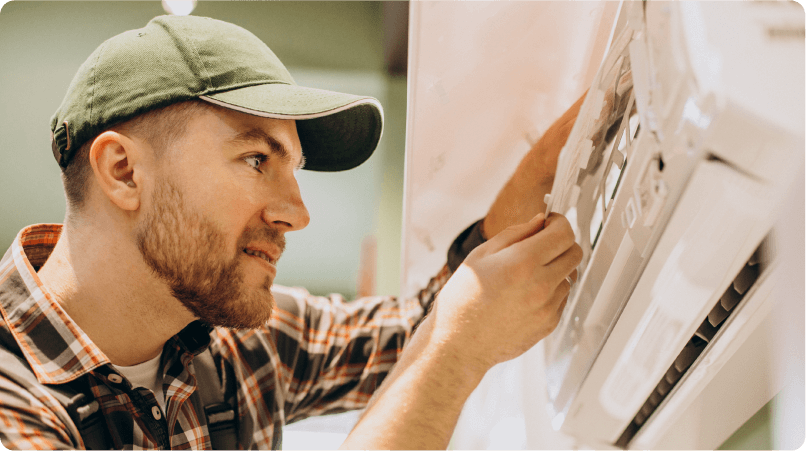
<point>52,343</point>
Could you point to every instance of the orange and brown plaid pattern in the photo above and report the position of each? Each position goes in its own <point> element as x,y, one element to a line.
<point>317,355</point>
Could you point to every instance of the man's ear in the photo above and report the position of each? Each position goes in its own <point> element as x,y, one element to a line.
<point>113,158</point>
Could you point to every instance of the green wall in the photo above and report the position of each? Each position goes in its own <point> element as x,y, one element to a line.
<point>330,45</point>
<point>774,426</point>
<point>755,433</point>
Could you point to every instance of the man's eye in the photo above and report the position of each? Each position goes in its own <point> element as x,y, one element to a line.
<point>255,161</point>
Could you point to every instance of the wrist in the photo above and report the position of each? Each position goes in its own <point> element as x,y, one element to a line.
<point>453,333</point>
<point>455,354</point>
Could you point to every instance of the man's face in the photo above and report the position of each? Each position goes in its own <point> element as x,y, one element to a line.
<point>213,226</point>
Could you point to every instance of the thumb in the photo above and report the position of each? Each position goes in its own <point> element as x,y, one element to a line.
<point>516,233</point>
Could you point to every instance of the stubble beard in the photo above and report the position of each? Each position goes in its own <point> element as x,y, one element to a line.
<point>189,253</point>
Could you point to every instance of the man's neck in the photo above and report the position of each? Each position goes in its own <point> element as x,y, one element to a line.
<point>102,282</point>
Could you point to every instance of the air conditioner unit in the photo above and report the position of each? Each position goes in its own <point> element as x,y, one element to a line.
<point>673,196</point>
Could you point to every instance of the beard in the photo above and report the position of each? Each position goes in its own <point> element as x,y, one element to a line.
<point>189,253</point>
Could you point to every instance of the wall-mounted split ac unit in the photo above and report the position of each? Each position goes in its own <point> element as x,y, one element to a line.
<point>673,194</point>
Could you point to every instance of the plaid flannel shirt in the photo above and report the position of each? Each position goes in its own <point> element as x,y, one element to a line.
<point>316,355</point>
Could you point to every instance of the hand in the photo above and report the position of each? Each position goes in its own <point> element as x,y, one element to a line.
<point>546,151</point>
<point>522,196</point>
<point>551,143</point>
<point>509,293</point>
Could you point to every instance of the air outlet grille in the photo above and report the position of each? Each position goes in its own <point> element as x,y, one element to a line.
<point>702,337</point>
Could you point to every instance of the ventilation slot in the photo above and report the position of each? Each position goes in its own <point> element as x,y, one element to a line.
<point>699,341</point>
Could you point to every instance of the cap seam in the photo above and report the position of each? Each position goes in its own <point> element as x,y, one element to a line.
<point>220,89</point>
<point>92,93</point>
<point>201,63</point>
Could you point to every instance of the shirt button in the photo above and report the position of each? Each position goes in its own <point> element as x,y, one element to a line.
<point>156,412</point>
<point>114,378</point>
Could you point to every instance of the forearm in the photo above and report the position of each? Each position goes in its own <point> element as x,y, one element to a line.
<point>531,181</point>
<point>506,296</point>
<point>522,196</point>
<point>418,405</point>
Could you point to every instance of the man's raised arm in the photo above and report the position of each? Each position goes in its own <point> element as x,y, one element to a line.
<point>507,295</point>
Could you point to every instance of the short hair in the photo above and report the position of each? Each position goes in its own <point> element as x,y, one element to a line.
<point>159,128</point>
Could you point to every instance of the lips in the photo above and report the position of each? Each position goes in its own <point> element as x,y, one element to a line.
<point>264,254</point>
<point>257,254</point>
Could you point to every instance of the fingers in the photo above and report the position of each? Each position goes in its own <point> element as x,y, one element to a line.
<point>566,288</point>
<point>514,234</point>
<point>559,300</point>
<point>562,305</point>
<point>551,242</point>
<point>572,111</point>
<point>571,278</point>
<point>562,126</point>
<point>565,264</point>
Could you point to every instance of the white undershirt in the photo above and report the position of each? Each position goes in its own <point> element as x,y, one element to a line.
<point>146,374</point>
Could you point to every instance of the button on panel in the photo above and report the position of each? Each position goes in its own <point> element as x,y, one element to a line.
<point>156,412</point>
<point>115,378</point>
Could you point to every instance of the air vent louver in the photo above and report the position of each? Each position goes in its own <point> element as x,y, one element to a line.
<point>702,337</point>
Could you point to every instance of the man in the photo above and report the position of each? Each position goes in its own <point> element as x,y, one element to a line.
<point>179,144</point>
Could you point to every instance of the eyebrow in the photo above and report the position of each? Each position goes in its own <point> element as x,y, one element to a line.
<point>260,137</point>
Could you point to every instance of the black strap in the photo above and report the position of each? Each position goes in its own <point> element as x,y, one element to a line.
<point>222,421</point>
<point>85,419</point>
<point>85,412</point>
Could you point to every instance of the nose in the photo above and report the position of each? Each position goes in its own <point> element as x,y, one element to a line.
<point>287,211</point>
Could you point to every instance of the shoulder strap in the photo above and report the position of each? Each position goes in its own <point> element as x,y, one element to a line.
<point>221,418</point>
<point>85,419</point>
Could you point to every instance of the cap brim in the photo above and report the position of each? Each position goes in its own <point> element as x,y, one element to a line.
<point>337,131</point>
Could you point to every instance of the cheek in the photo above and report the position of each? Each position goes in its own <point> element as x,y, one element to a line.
<point>237,204</point>
<point>230,197</point>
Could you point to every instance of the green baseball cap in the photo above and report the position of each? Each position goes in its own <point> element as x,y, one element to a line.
<point>178,58</point>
